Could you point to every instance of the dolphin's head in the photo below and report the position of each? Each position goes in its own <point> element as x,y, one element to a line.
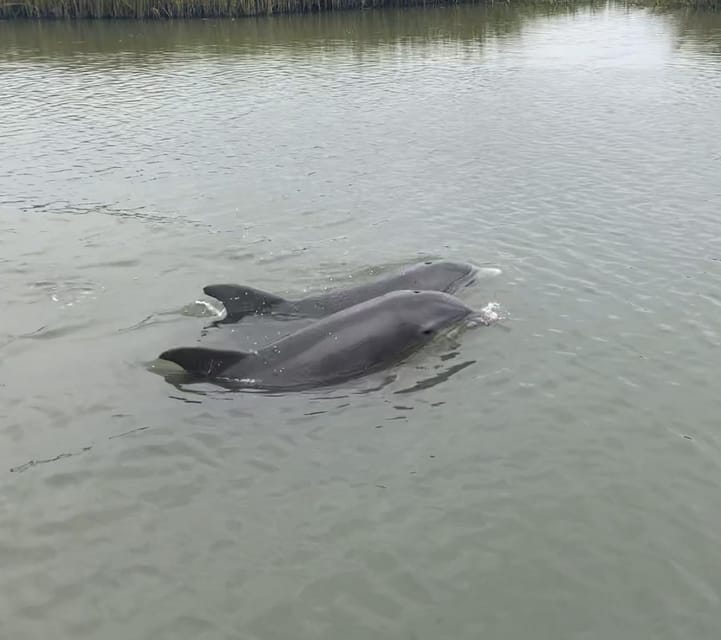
<point>431,312</point>
<point>444,275</point>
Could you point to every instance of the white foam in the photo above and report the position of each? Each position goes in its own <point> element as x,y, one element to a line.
<point>203,309</point>
<point>489,314</point>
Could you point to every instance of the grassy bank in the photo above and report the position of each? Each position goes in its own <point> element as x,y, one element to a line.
<point>184,8</point>
<point>139,9</point>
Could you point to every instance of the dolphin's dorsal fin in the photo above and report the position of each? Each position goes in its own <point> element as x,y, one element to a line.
<point>242,301</point>
<point>203,362</point>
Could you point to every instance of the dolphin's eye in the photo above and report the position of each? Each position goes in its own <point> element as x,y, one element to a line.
<point>428,262</point>
<point>416,292</point>
<point>427,332</point>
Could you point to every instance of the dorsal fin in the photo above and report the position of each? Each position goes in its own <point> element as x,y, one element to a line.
<point>242,301</point>
<point>201,361</point>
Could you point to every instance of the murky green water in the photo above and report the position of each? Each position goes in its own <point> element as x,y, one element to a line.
<point>566,484</point>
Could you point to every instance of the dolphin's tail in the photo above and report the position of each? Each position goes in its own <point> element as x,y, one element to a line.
<point>203,362</point>
<point>242,301</point>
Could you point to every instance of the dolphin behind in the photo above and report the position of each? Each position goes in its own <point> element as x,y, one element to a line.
<point>431,275</point>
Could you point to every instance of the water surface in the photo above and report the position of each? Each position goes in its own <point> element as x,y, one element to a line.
<point>556,476</point>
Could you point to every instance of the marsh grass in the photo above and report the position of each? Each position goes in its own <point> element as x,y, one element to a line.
<point>167,8</point>
<point>144,9</point>
<point>204,8</point>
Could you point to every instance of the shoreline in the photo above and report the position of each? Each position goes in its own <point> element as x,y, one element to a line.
<point>51,10</point>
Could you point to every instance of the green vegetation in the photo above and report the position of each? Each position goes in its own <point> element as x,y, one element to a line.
<point>182,8</point>
<point>239,8</point>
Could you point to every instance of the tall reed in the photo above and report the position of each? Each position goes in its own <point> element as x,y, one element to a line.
<point>237,8</point>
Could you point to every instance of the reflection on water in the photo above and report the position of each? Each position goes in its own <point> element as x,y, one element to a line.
<point>136,42</point>
<point>698,31</point>
<point>150,42</point>
<point>555,474</point>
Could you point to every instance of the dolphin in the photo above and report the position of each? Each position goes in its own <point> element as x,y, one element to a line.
<point>350,343</point>
<point>431,275</point>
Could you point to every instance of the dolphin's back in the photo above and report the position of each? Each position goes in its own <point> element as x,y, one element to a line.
<point>329,351</point>
<point>335,300</point>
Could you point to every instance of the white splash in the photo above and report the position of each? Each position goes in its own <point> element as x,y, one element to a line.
<point>203,309</point>
<point>490,314</point>
<point>244,381</point>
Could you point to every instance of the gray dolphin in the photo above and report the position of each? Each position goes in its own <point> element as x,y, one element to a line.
<point>348,344</point>
<point>431,275</point>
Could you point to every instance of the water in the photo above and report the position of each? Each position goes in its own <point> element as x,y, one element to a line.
<point>556,475</point>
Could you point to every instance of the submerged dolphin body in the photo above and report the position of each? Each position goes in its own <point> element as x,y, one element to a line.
<point>431,275</point>
<point>356,341</point>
